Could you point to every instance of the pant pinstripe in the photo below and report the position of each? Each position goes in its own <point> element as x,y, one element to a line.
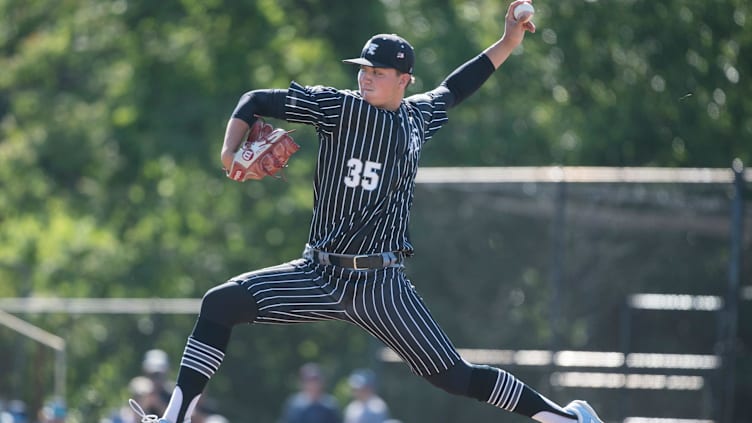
<point>382,302</point>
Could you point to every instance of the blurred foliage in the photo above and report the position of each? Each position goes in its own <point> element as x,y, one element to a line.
<point>112,114</point>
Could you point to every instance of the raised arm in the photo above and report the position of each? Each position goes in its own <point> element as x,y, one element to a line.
<point>466,79</point>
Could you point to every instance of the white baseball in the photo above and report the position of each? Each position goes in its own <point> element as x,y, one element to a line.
<point>523,12</point>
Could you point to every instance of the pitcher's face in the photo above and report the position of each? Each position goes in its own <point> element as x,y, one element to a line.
<point>382,87</point>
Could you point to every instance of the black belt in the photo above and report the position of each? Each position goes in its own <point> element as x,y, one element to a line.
<point>357,262</point>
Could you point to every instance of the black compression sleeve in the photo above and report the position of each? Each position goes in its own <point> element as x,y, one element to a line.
<point>267,103</point>
<point>466,79</point>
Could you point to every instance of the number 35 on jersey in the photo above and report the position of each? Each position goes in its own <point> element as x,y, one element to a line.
<point>363,174</point>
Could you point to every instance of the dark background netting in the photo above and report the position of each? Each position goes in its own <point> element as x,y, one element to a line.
<point>550,266</point>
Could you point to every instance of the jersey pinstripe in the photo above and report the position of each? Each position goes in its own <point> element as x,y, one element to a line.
<point>367,161</point>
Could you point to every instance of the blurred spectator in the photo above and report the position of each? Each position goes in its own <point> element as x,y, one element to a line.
<point>312,404</point>
<point>155,367</point>
<point>366,406</point>
<point>141,389</point>
<point>17,409</point>
<point>152,389</point>
<point>53,412</point>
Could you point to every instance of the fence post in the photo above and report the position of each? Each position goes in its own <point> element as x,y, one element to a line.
<point>556,275</point>
<point>732,295</point>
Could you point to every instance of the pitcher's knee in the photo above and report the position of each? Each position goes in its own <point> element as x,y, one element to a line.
<point>229,304</point>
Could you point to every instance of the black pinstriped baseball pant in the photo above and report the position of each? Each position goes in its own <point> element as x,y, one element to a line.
<point>381,301</point>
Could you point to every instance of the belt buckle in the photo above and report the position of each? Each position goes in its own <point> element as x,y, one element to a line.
<point>355,262</point>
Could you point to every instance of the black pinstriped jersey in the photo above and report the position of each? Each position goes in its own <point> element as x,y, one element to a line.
<point>367,162</point>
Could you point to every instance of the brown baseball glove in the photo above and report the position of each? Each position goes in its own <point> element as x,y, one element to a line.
<point>264,153</point>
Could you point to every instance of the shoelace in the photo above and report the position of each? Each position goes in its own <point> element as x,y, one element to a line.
<point>145,418</point>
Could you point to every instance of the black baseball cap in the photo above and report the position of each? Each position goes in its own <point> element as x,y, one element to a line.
<point>387,51</point>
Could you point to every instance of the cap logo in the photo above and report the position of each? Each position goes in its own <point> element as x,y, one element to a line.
<point>400,55</point>
<point>371,49</point>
